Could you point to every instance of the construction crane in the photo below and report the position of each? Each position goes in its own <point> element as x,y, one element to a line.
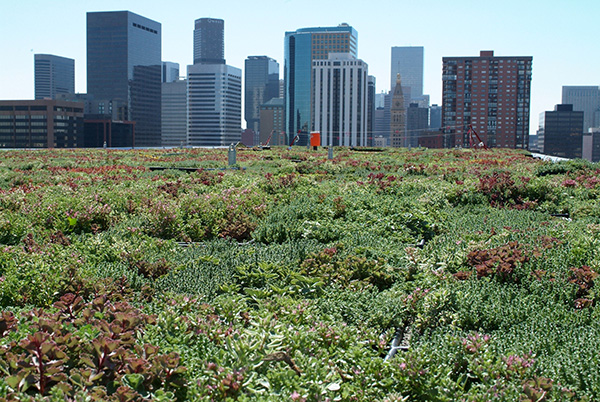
<point>266,144</point>
<point>296,138</point>
<point>472,136</point>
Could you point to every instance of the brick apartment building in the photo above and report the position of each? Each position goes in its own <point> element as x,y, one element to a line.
<point>489,93</point>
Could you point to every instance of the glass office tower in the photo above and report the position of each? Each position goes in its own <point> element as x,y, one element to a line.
<point>301,47</point>
<point>209,42</point>
<point>261,84</point>
<point>53,75</point>
<point>408,62</point>
<point>586,99</point>
<point>562,131</point>
<point>124,66</point>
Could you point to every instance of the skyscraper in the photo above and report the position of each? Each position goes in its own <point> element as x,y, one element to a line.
<point>408,62</point>
<point>417,122</point>
<point>53,75</point>
<point>562,131</point>
<point>214,90</point>
<point>124,67</point>
<point>585,99</point>
<point>174,113</point>
<point>340,100</point>
<point>398,116</point>
<point>209,42</point>
<point>370,109</point>
<point>261,84</point>
<point>491,94</point>
<point>301,47</point>
<point>214,104</point>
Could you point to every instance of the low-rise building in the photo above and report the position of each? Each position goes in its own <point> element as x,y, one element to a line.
<point>41,123</point>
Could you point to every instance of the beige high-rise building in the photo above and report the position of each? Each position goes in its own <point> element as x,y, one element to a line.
<point>398,117</point>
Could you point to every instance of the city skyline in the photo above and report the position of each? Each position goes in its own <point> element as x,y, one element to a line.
<point>558,55</point>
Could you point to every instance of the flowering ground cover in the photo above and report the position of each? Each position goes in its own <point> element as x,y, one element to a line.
<point>290,276</point>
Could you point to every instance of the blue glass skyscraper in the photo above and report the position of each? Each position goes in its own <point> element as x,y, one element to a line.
<point>124,66</point>
<point>301,47</point>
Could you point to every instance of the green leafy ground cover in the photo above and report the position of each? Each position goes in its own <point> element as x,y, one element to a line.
<point>289,278</point>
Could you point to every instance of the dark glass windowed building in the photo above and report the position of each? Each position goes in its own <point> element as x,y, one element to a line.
<point>562,131</point>
<point>209,42</point>
<point>261,84</point>
<point>301,47</point>
<point>124,67</point>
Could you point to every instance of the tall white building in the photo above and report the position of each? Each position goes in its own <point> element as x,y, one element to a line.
<point>340,99</point>
<point>174,113</point>
<point>214,104</point>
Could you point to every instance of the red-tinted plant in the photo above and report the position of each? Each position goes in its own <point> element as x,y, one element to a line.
<point>499,262</point>
<point>109,366</point>
<point>583,278</point>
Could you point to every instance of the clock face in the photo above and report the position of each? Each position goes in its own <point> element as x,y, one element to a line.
<point>397,103</point>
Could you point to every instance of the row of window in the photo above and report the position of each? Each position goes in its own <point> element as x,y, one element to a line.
<point>154,31</point>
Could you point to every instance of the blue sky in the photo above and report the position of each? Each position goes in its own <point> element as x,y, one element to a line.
<point>562,36</point>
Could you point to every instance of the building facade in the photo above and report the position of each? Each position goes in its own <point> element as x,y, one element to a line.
<point>174,113</point>
<point>417,122</point>
<point>54,75</point>
<point>562,131</point>
<point>585,99</point>
<point>101,131</point>
<point>272,121</point>
<point>489,93</point>
<point>435,117</point>
<point>124,67</point>
<point>301,48</point>
<point>431,139</point>
<point>371,91</point>
<point>170,71</point>
<point>214,105</point>
<point>209,41</point>
<point>398,116</point>
<point>41,123</point>
<point>340,100</point>
<point>591,145</point>
<point>408,61</point>
<point>381,129</point>
<point>261,84</point>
